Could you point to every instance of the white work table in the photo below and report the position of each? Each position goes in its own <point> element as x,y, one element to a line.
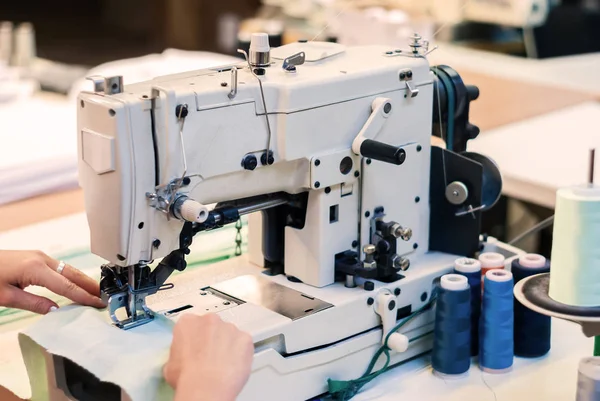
<point>538,156</point>
<point>552,378</point>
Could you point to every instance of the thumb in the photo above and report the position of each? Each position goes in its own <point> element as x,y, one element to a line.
<point>13,297</point>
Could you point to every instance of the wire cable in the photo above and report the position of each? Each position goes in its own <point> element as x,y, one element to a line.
<point>538,227</point>
<point>344,390</point>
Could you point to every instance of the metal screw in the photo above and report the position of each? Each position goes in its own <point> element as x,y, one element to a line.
<point>370,301</point>
<point>369,249</point>
<point>317,184</point>
<point>356,173</point>
<point>403,233</point>
<point>317,162</point>
<point>369,262</point>
<point>400,263</point>
<point>397,291</point>
<point>223,84</point>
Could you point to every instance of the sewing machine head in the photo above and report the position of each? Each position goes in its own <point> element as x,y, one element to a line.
<point>331,143</point>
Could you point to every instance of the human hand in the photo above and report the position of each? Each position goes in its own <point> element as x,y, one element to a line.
<point>209,360</point>
<point>20,269</point>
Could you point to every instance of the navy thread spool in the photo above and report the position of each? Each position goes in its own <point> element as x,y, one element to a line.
<point>471,269</point>
<point>496,344</point>
<point>588,380</point>
<point>451,353</point>
<point>532,330</point>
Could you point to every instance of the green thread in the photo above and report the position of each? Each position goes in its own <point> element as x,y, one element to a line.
<point>597,346</point>
<point>344,390</point>
<point>238,237</point>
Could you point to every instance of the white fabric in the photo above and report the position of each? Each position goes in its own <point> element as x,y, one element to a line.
<point>132,359</point>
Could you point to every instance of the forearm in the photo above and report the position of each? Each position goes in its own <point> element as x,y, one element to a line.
<point>193,387</point>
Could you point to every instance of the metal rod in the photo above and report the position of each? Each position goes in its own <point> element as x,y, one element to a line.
<point>254,207</point>
<point>266,204</point>
<point>591,170</point>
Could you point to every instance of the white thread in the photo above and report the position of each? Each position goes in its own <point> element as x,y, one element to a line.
<point>575,278</point>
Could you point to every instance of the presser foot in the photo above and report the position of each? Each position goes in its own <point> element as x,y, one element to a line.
<point>118,294</point>
<point>130,302</point>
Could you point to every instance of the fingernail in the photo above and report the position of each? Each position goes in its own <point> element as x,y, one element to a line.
<point>53,308</point>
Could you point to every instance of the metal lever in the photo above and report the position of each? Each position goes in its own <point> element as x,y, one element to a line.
<point>234,83</point>
<point>386,308</point>
<point>364,145</point>
<point>109,86</point>
<point>412,91</point>
<point>290,63</point>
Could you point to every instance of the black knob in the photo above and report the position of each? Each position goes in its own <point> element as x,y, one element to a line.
<point>472,92</point>
<point>264,160</point>
<point>382,152</point>
<point>181,111</point>
<point>369,286</point>
<point>249,162</point>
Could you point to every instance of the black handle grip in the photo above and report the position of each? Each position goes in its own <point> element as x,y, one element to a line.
<point>382,152</point>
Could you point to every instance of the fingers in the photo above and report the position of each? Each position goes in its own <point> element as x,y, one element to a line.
<point>62,286</point>
<point>13,297</point>
<point>77,277</point>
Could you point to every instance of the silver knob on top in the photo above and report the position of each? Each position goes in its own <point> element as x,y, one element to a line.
<point>260,51</point>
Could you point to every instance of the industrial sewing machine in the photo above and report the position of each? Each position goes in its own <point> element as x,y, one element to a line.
<point>360,214</point>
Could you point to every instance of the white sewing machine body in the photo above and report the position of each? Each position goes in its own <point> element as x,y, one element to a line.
<point>349,174</point>
<point>314,114</point>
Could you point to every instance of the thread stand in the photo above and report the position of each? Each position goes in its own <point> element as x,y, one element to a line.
<point>532,292</point>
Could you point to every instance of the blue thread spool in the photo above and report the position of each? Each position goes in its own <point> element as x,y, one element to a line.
<point>471,269</point>
<point>451,353</point>
<point>497,323</point>
<point>532,330</point>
